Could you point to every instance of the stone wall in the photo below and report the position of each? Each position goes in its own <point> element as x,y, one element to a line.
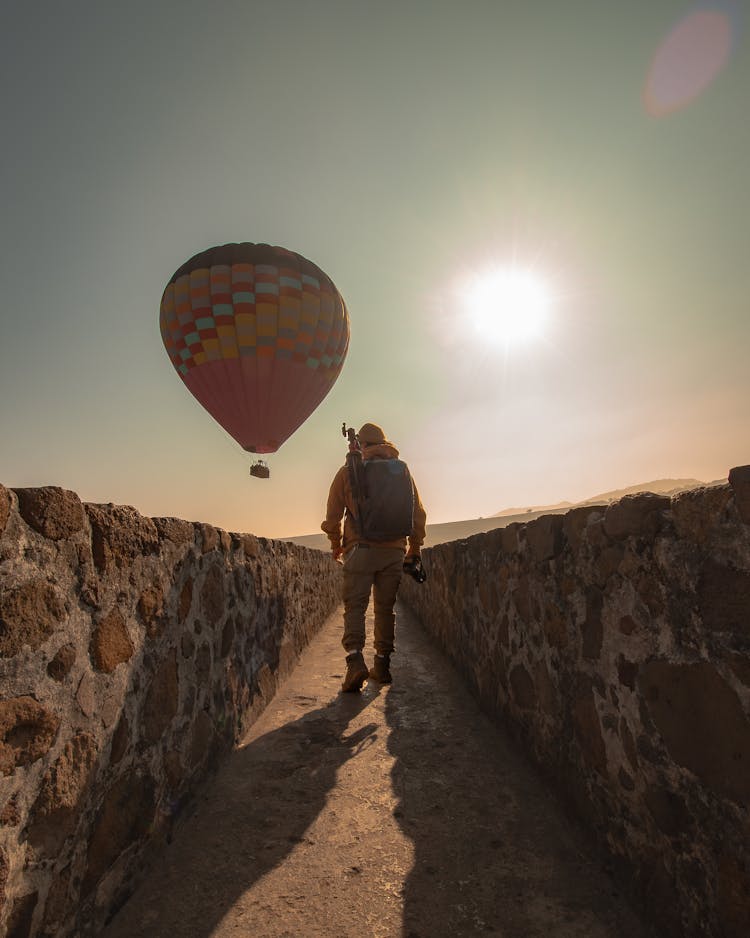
<point>615,644</point>
<point>134,653</point>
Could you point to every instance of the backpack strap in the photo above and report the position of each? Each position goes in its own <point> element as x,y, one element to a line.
<point>358,484</point>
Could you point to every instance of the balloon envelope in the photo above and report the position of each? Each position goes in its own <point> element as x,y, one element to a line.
<point>258,335</point>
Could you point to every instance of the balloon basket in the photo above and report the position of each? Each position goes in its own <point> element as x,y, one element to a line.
<point>260,470</point>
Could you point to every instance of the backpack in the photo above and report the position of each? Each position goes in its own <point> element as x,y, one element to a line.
<point>386,500</point>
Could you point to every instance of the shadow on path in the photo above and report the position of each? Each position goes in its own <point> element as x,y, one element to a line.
<point>493,855</point>
<point>400,812</point>
<point>262,803</point>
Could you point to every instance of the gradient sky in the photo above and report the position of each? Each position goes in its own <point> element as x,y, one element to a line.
<point>401,146</point>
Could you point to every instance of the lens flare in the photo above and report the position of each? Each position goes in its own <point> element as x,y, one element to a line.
<point>688,60</point>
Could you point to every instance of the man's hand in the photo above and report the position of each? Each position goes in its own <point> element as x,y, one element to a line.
<point>337,552</point>
<point>413,566</point>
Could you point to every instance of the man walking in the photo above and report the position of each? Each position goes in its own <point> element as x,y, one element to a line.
<point>376,496</point>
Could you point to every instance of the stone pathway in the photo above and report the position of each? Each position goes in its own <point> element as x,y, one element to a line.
<point>400,811</point>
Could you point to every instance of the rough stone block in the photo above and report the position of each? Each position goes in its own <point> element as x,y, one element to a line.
<point>544,537</point>
<point>587,727</point>
<point>596,538</point>
<point>119,534</point>
<point>592,629</point>
<point>509,537</point>
<point>702,722</point>
<point>669,811</point>
<point>625,780</point>
<point>55,812</point>
<point>110,707</point>
<point>647,750</point>
<point>27,732</point>
<point>174,530</point>
<point>213,595</point>
<point>4,508</point>
<point>203,665</point>
<point>546,692</point>
<point>173,770</point>
<point>739,479</point>
<point>627,672</point>
<point>650,591</point>
<point>60,666</point>
<point>503,631</point>
<point>185,600</point>
<point>187,645</point>
<point>21,915</point>
<point>733,892</point>
<point>110,642</point>
<point>740,665</point>
<point>58,905</point>
<point>10,816</point>
<point>502,576</point>
<point>160,705</point>
<point>86,694</point>
<point>522,688</point>
<point>227,637</point>
<point>210,537</point>
<point>201,739</point>
<point>575,521</point>
<point>29,614</point>
<point>124,819</point>
<point>628,744</point>
<point>120,741</point>
<point>555,625</point>
<point>698,512</point>
<point>724,598</point>
<point>4,873</point>
<point>635,516</point>
<point>607,562</point>
<point>521,598</point>
<point>250,545</point>
<point>53,512</point>
<point>150,604</point>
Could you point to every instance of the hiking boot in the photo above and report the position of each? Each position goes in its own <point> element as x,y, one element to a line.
<point>356,672</point>
<point>381,670</point>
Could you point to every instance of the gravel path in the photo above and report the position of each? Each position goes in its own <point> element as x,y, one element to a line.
<point>400,812</point>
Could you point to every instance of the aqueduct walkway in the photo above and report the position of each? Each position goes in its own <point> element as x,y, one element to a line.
<point>401,812</point>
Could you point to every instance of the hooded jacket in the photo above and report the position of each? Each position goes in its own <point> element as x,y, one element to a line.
<point>341,505</point>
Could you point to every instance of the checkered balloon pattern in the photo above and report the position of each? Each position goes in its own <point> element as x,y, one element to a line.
<point>258,335</point>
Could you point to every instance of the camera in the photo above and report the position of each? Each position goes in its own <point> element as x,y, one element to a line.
<point>413,566</point>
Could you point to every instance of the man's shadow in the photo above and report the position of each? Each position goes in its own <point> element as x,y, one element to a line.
<point>490,855</point>
<point>259,806</point>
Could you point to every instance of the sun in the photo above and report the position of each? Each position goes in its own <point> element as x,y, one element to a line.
<point>507,306</point>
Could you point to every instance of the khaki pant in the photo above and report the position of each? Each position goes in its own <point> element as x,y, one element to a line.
<point>378,569</point>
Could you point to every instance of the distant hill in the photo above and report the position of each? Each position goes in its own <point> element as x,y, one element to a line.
<point>457,530</point>
<point>506,512</point>
<point>658,486</point>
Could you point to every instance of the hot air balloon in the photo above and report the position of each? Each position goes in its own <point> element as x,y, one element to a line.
<point>258,335</point>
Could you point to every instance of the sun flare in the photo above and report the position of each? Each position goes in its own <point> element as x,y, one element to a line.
<point>508,305</point>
